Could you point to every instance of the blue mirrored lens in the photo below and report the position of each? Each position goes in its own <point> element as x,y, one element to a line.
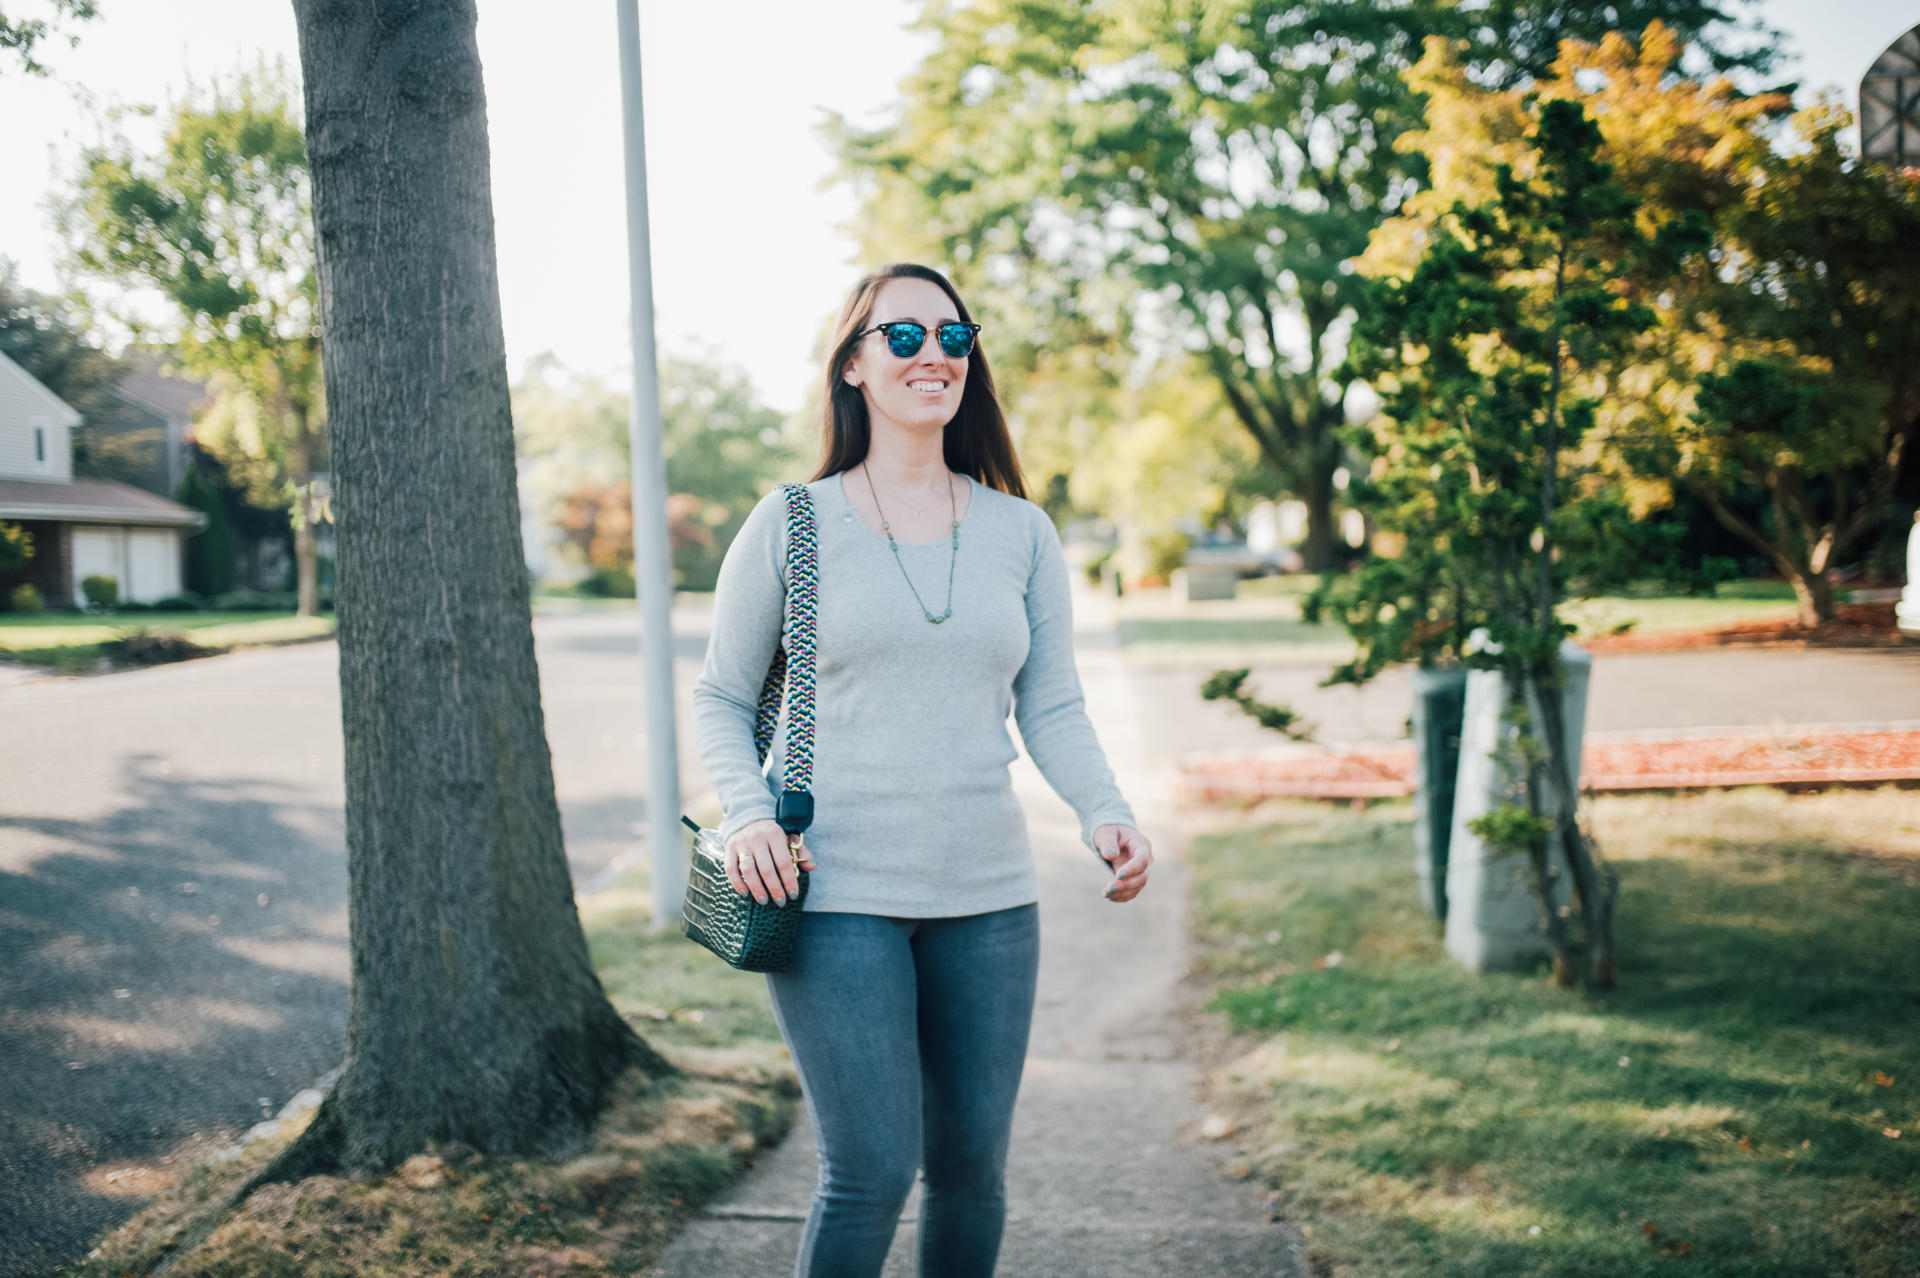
<point>905,339</point>
<point>956,340</point>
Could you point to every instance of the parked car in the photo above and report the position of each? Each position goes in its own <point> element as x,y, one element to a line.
<point>1217,551</point>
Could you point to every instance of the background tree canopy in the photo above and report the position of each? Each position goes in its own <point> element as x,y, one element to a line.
<point>219,224</point>
<point>1107,182</point>
<point>724,450</point>
<point>1776,365</point>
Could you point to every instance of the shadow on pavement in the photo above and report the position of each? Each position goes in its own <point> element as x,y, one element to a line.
<point>167,975</point>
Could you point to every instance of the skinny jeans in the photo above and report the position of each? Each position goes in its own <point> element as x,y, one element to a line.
<point>909,1036</point>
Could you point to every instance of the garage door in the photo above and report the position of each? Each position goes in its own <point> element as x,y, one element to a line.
<point>97,553</point>
<point>154,568</point>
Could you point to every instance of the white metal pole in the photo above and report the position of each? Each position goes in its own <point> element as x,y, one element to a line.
<point>652,568</point>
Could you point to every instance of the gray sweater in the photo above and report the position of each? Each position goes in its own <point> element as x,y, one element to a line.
<point>915,814</point>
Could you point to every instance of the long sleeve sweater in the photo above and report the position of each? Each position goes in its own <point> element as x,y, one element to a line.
<point>915,814</point>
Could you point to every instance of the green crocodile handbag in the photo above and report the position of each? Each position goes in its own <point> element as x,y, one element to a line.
<point>747,934</point>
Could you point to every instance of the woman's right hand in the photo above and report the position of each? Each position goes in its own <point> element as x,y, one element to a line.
<point>759,864</point>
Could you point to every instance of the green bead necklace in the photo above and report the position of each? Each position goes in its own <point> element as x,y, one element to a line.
<point>953,557</point>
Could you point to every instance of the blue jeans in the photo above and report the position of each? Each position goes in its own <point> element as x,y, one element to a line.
<point>909,1036</point>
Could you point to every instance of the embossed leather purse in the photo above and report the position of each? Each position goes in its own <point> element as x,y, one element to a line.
<point>747,934</point>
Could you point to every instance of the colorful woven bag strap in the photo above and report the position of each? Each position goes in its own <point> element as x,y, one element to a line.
<point>794,670</point>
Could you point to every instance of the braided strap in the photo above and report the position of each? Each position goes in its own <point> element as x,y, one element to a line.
<point>793,667</point>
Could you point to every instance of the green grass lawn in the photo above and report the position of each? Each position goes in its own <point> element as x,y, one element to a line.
<point>1731,1108</point>
<point>72,644</point>
<point>662,1149</point>
<point>1263,626</point>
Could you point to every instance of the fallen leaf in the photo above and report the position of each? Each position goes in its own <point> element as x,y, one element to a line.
<point>1746,1146</point>
<point>1648,1228</point>
<point>1891,1133</point>
<point>1883,1078</point>
<point>1216,1127</point>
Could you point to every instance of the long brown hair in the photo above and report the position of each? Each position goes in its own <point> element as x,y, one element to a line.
<point>977,441</point>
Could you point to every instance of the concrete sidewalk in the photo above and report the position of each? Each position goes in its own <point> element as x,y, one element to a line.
<point>1107,1178</point>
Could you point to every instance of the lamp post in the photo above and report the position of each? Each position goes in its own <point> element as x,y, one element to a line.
<point>652,568</point>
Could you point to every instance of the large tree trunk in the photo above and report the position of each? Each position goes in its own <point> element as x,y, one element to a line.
<point>476,1015</point>
<point>1812,590</point>
<point>1320,553</point>
<point>1813,594</point>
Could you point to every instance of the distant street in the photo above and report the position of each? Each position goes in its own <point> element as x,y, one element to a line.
<point>1741,689</point>
<point>173,921</point>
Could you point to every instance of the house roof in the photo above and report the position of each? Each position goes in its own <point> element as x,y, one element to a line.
<point>151,388</point>
<point>63,412</point>
<point>92,501</point>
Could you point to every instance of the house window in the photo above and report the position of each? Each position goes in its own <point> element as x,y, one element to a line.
<point>40,444</point>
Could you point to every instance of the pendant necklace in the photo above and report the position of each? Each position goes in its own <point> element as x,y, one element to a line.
<point>954,555</point>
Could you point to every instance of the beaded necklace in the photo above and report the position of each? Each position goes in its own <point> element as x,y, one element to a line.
<point>887,528</point>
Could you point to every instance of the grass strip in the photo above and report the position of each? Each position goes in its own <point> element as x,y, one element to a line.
<point>1747,1102</point>
<point>661,1150</point>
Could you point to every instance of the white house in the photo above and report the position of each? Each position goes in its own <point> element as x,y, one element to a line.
<point>80,527</point>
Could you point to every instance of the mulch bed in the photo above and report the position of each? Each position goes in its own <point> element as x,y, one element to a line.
<point>1860,625</point>
<point>1785,759</point>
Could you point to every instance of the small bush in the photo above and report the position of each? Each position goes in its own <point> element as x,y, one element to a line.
<point>133,605</point>
<point>180,603</point>
<point>101,593</point>
<point>609,583</point>
<point>25,598</point>
<point>1095,564</point>
<point>1166,551</point>
<point>255,601</point>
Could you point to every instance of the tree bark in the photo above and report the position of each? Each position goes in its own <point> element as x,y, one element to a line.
<point>1322,529</point>
<point>476,1015</point>
<point>1812,591</point>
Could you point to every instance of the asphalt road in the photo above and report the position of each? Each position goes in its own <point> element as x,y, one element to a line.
<point>1740,689</point>
<point>173,961</point>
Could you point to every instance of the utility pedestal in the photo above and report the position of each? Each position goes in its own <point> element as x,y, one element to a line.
<point>1494,916</point>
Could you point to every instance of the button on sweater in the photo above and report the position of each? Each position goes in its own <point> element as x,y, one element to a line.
<point>914,810</point>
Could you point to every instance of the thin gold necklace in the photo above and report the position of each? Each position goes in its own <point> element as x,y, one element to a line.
<point>954,556</point>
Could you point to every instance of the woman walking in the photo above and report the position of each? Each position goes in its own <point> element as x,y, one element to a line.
<point>943,607</point>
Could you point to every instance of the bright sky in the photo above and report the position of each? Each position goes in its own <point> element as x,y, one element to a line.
<point>749,261</point>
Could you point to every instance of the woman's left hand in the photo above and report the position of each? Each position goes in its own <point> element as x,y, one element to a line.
<point>1130,855</point>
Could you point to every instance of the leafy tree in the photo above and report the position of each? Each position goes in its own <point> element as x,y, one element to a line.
<point>44,336</point>
<point>219,224</point>
<point>1818,295</point>
<point>1485,356</point>
<point>16,548</point>
<point>20,35</point>
<point>1777,360</point>
<point>476,1015</point>
<point>210,551</point>
<point>723,450</point>
<point>1194,173</point>
<point>1172,455</point>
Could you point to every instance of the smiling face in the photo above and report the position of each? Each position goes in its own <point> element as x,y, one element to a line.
<point>920,392</point>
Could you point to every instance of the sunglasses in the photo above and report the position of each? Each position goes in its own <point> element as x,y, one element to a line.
<point>905,338</point>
